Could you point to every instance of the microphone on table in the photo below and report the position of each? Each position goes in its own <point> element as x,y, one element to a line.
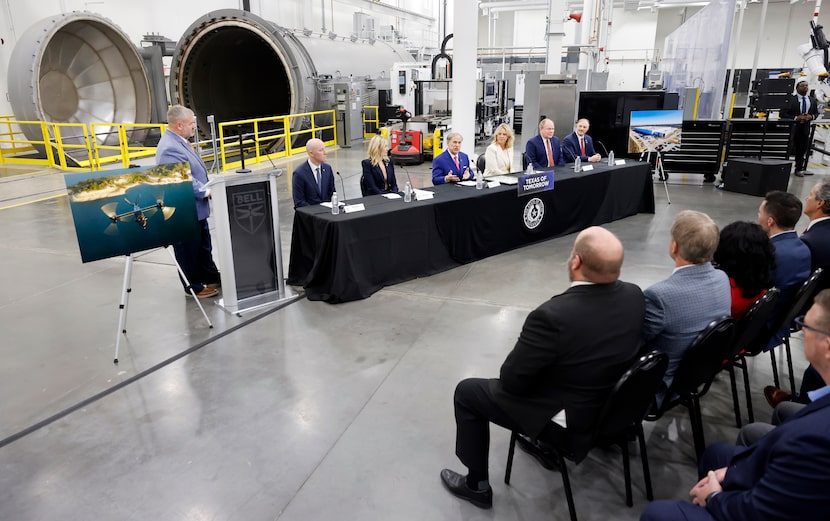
<point>342,186</point>
<point>405,171</point>
<point>603,147</point>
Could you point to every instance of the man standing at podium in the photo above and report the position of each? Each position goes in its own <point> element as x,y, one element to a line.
<point>803,108</point>
<point>194,257</point>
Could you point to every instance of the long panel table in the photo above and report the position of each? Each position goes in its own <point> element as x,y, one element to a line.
<point>344,257</point>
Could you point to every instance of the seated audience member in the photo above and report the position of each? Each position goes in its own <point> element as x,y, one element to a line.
<point>452,165</point>
<point>578,144</point>
<point>817,238</point>
<point>817,234</point>
<point>681,306</point>
<point>543,150</point>
<point>562,361</point>
<point>313,180</point>
<point>782,476</point>
<point>747,256</point>
<point>378,169</point>
<point>777,215</point>
<point>498,158</point>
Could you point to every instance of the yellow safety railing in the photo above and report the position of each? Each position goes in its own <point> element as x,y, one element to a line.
<point>14,144</point>
<point>371,120</point>
<point>129,146</point>
<point>71,137</point>
<point>272,137</point>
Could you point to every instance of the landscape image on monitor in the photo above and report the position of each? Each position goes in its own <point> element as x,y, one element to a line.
<point>654,131</point>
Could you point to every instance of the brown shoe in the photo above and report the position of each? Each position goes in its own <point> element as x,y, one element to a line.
<point>206,293</point>
<point>774,395</point>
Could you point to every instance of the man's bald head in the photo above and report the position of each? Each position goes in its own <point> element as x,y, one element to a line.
<point>597,256</point>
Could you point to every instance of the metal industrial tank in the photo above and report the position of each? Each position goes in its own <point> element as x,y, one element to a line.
<point>77,67</point>
<point>236,65</point>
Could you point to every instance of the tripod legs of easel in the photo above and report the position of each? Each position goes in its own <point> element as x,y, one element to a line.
<point>661,174</point>
<point>126,289</point>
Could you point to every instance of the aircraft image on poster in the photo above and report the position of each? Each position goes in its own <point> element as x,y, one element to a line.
<point>119,212</point>
<point>654,131</point>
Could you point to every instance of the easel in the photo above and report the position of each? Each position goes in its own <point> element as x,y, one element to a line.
<point>126,289</point>
<point>659,170</point>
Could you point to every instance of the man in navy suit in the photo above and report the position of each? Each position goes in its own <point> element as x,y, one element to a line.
<point>452,165</point>
<point>817,239</point>
<point>194,257</point>
<point>803,108</point>
<point>782,476</point>
<point>543,150</point>
<point>578,144</point>
<point>313,180</point>
<point>778,214</point>
<point>681,306</point>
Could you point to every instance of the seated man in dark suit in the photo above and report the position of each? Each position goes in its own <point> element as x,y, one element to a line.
<point>571,351</point>
<point>543,150</point>
<point>783,476</point>
<point>313,180</point>
<point>681,306</point>
<point>452,165</point>
<point>777,215</point>
<point>817,239</point>
<point>578,144</point>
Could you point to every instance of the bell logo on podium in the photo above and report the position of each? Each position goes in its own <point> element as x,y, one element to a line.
<point>249,209</point>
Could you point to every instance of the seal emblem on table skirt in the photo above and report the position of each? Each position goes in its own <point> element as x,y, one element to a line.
<point>534,212</point>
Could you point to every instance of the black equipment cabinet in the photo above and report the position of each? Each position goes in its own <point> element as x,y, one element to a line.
<point>700,148</point>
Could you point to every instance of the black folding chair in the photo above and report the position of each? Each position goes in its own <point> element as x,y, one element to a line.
<point>362,185</point>
<point>799,303</point>
<point>752,336</point>
<point>710,352</point>
<point>621,418</point>
<point>481,162</point>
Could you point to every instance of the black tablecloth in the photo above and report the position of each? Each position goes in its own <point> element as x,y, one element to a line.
<point>338,258</point>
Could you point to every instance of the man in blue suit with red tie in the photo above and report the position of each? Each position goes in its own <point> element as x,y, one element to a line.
<point>782,476</point>
<point>452,165</point>
<point>578,144</point>
<point>313,180</point>
<point>194,257</point>
<point>543,150</point>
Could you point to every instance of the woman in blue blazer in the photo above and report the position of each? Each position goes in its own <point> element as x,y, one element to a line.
<point>378,169</point>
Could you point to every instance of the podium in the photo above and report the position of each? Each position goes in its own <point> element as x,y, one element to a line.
<point>756,176</point>
<point>247,223</point>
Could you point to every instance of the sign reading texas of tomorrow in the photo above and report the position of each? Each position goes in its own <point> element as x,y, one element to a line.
<point>119,212</point>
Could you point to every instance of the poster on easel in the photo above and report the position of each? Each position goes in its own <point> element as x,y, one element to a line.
<point>654,131</point>
<point>119,212</point>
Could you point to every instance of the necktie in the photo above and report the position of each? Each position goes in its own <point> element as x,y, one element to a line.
<point>319,179</point>
<point>803,104</point>
<point>582,145</point>
<point>457,164</point>
<point>548,150</point>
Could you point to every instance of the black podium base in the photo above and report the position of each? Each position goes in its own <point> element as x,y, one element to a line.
<point>756,176</point>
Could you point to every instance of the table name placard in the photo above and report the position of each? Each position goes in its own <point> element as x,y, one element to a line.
<point>535,183</point>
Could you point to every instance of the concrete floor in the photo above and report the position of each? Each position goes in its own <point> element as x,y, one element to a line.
<point>314,411</point>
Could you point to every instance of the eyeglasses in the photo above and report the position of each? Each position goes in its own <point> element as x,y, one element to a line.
<point>802,325</point>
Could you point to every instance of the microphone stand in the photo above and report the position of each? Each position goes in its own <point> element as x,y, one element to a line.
<point>342,186</point>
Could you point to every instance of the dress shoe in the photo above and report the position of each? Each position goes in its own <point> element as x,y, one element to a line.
<point>774,395</point>
<point>543,455</point>
<point>205,293</point>
<point>457,485</point>
<point>807,172</point>
<point>800,173</point>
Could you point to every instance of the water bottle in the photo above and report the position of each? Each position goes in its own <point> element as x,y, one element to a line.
<point>335,204</point>
<point>407,192</point>
<point>529,170</point>
<point>578,164</point>
<point>611,158</point>
<point>479,181</point>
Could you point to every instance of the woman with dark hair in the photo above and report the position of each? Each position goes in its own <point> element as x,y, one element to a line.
<point>747,255</point>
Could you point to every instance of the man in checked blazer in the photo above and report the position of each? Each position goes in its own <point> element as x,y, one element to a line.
<point>195,257</point>
<point>681,306</point>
